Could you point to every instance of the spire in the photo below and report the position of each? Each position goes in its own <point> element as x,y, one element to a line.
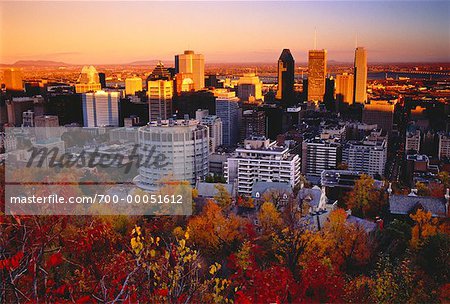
<point>315,38</point>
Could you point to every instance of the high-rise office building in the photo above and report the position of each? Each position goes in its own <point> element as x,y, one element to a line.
<point>13,79</point>
<point>185,145</point>
<point>159,94</point>
<point>133,85</point>
<point>101,109</point>
<point>88,81</point>
<point>249,86</point>
<point>227,109</point>
<point>344,88</point>
<point>191,63</point>
<point>262,160</point>
<point>102,79</point>
<point>360,71</point>
<point>286,70</point>
<point>317,72</point>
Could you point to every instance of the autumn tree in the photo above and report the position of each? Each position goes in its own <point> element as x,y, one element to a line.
<point>213,232</point>
<point>424,226</point>
<point>365,200</point>
<point>223,198</point>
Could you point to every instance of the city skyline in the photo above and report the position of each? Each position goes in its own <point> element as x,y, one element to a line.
<point>223,31</point>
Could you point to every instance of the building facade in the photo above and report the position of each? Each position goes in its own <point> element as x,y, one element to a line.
<point>318,155</point>
<point>133,85</point>
<point>317,72</point>
<point>344,88</point>
<point>360,72</point>
<point>193,64</point>
<point>13,79</point>
<point>261,161</point>
<point>100,109</point>
<point>159,93</point>
<point>227,109</point>
<point>368,156</point>
<point>249,86</point>
<point>286,70</point>
<point>185,145</point>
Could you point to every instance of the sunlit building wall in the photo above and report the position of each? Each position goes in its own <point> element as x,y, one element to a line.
<point>13,79</point>
<point>101,109</point>
<point>191,63</point>
<point>344,88</point>
<point>317,72</point>
<point>159,94</point>
<point>133,85</point>
<point>360,69</point>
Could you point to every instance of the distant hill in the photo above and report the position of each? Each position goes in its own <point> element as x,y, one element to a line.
<point>41,63</point>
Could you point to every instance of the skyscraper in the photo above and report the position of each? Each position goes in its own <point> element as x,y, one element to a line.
<point>133,85</point>
<point>317,72</point>
<point>344,88</point>
<point>13,79</point>
<point>360,69</point>
<point>159,93</point>
<point>88,80</point>
<point>101,109</point>
<point>191,63</point>
<point>286,66</point>
<point>227,109</point>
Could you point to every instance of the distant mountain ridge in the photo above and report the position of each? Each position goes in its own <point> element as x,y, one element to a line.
<point>37,63</point>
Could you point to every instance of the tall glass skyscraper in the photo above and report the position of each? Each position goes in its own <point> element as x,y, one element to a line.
<point>286,66</point>
<point>360,87</point>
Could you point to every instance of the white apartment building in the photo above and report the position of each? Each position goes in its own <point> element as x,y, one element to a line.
<point>368,156</point>
<point>261,160</point>
<point>318,155</point>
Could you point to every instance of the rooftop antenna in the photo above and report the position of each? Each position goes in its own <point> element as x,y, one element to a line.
<point>356,40</point>
<point>315,38</point>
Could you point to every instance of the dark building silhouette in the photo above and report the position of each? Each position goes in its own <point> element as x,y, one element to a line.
<point>102,79</point>
<point>66,106</point>
<point>211,81</point>
<point>328,97</point>
<point>274,120</point>
<point>128,108</point>
<point>189,102</point>
<point>286,69</point>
